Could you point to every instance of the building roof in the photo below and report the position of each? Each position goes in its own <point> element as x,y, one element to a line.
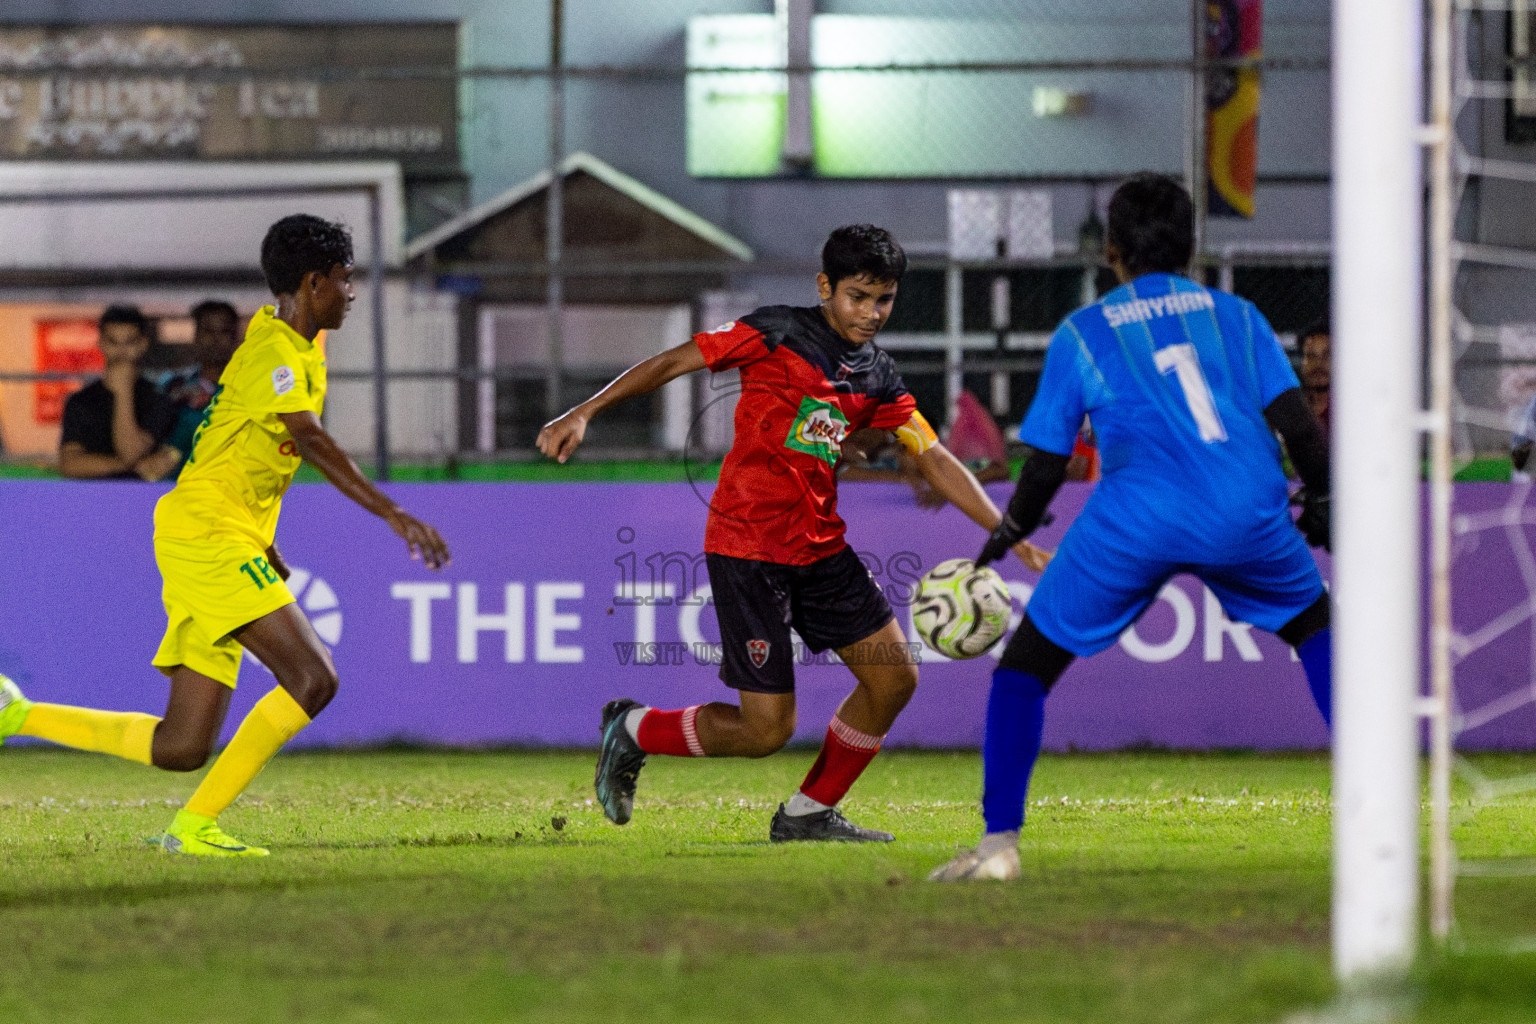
<point>509,226</point>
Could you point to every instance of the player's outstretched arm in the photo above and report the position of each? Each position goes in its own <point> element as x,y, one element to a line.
<point>949,477</point>
<point>561,437</point>
<point>1290,417</point>
<point>320,450</point>
<point>1039,481</point>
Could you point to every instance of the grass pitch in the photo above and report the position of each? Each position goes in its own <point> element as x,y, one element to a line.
<point>416,886</point>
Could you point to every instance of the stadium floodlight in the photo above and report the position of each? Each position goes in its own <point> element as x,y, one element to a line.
<point>1377,219</point>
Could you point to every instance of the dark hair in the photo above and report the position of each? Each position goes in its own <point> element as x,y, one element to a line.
<point>299,244</point>
<point>1323,327</point>
<point>123,315</point>
<point>210,306</point>
<point>862,249</point>
<point>1152,224</point>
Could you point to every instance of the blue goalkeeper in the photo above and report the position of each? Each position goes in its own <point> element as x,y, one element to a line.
<point>1186,388</point>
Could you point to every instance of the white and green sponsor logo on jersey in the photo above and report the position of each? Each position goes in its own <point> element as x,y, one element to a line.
<point>818,430</point>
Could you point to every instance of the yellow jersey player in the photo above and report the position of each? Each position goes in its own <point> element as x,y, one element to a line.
<point>214,544</point>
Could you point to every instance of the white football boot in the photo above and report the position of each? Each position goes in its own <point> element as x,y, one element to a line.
<point>1001,865</point>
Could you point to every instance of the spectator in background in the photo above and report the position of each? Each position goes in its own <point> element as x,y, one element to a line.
<point>1317,371</point>
<point>1522,440</point>
<point>215,336</point>
<point>976,440</point>
<point>116,427</point>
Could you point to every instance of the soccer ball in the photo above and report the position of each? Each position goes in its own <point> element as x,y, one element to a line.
<point>961,611</point>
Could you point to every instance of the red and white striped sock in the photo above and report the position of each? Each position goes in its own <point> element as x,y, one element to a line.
<point>666,732</point>
<point>845,754</point>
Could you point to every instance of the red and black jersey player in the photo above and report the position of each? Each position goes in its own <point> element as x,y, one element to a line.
<point>774,543</point>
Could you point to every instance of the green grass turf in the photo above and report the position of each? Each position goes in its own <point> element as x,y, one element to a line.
<point>611,471</point>
<point>441,886</point>
<point>532,471</point>
<point>546,471</point>
<point>27,471</point>
<point>1495,469</point>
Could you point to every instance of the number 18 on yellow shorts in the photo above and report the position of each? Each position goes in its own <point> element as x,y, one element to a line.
<point>212,588</point>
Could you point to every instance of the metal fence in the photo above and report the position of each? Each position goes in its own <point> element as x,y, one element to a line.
<point>768,130</point>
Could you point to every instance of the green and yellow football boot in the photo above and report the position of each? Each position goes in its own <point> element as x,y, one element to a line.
<point>14,708</point>
<point>198,835</point>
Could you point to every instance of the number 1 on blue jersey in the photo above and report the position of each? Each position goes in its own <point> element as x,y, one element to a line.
<point>1184,364</point>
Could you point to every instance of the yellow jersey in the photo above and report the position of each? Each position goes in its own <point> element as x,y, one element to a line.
<point>243,458</point>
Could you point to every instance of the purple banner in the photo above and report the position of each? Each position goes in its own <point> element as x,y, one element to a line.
<point>563,596</point>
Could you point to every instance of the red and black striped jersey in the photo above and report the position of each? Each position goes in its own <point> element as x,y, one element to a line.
<point>803,389</point>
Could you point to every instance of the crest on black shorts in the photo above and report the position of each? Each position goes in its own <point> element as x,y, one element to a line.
<point>757,650</point>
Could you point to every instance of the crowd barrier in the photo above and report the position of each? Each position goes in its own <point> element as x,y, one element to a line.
<point>563,596</point>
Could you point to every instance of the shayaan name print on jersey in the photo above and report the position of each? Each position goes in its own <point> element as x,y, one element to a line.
<point>1119,313</point>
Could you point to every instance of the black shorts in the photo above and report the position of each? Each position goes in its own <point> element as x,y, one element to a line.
<point>832,604</point>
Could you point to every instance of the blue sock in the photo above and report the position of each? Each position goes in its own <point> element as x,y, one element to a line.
<point>1316,653</point>
<point>1015,719</point>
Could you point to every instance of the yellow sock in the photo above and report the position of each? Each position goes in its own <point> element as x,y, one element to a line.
<point>127,734</point>
<point>274,720</point>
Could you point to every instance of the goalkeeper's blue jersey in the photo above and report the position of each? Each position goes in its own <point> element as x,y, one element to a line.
<point>1175,378</point>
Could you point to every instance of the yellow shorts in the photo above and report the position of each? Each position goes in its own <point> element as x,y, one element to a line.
<point>211,589</point>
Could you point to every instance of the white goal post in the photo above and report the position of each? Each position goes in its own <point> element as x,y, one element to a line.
<point>1377,234</point>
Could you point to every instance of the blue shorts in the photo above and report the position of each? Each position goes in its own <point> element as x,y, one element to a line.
<point>1091,592</point>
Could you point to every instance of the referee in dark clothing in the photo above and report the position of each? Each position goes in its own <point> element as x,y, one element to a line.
<point>115,428</point>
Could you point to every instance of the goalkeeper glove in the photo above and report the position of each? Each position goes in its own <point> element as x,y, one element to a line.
<point>1004,536</point>
<point>1316,519</point>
